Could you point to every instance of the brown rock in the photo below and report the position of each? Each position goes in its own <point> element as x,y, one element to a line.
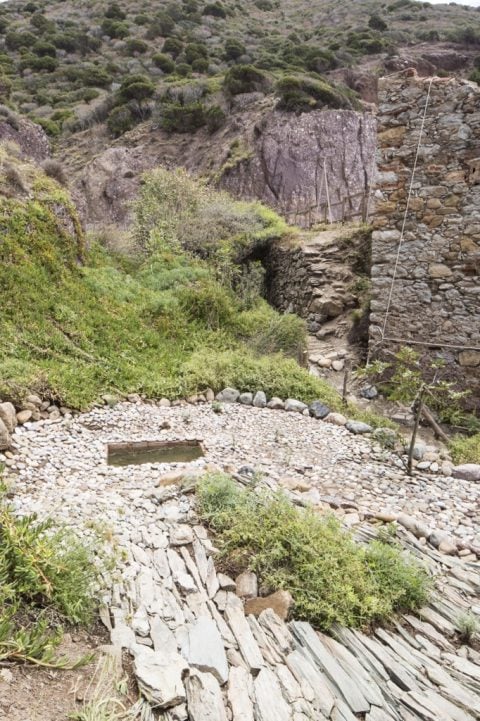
<point>280,602</point>
<point>438,270</point>
<point>469,358</point>
<point>24,416</point>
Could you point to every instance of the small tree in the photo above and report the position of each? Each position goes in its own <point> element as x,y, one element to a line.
<point>406,378</point>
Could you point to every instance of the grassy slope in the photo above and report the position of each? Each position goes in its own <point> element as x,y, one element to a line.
<point>162,327</point>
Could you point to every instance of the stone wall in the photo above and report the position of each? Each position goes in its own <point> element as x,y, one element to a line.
<point>436,290</point>
<point>316,278</point>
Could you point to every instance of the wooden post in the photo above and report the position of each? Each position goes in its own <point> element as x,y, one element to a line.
<point>417,409</point>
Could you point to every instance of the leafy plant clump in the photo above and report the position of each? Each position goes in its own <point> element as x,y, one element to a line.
<point>332,579</point>
<point>465,449</point>
<point>302,94</point>
<point>46,578</point>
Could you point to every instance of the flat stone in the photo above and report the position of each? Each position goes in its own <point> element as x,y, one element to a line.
<point>269,702</point>
<point>260,400</point>
<point>226,583</point>
<point>246,399</point>
<point>203,648</point>
<point>240,691</point>
<point>228,395</point>
<point>159,677</point>
<point>357,427</point>
<point>318,410</point>
<point>204,698</point>
<point>280,602</point>
<point>246,585</point>
<point>338,365</point>
<point>467,471</point>
<point>235,618</point>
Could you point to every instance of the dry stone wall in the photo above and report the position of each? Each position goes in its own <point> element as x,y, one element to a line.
<point>435,292</point>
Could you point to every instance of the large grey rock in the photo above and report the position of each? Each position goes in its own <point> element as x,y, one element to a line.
<point>8,416</point>
<point>228,395</point>
<point>467,471</point>
<point>269,702</point>
<point>357,427</point>
<point>159,677</point>
<point>204,698</point>
<point>276,404</point>
<point>246,399</point>
<point>296,406</point>
<point>260,400</point>
<point>318,410</point>
<point>203,649</point>
<point>5,440</point>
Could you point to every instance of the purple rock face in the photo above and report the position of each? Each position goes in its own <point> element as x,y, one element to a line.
<point>311,167</point>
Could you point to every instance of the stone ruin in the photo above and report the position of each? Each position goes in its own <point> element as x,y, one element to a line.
<point>433,297</point>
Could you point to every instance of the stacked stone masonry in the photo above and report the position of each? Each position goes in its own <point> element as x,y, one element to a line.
<point>436,290</point>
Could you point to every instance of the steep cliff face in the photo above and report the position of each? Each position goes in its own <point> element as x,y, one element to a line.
<point>27,136</point>
<point>312,167</point>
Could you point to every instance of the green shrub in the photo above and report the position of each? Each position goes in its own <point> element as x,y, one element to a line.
<point>161,26</point>
<point>216,9</point>
<point>115,29</point>
<point>195,50</point>
<point>136,87</point>
<point>162,61</point>
<point>200,65</point>
<point>120,120</point>
<point>302,94</point>
<point>234,49</point>
<point>44,48</point>
<point>135,45</point>
<point>173,47</point>
<point>45,572</point>
<point>377,23</point>
<point>16,40</point>
<point>215,118</point>
<point>51,127</point>
<point>331,578</point>
<point>176,117</point>
<point>114,12</point>
<point>245,79</point>
<point>465,449</point>
<point>183,70</point>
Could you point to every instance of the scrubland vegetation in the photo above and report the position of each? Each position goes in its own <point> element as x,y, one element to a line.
<point>71,65</point>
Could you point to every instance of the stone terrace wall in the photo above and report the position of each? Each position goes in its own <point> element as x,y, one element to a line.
<point>436,293</point>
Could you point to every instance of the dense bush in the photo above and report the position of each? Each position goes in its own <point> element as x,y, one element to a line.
<point>116,29</point>
<point>200,65</point>
<point>377,23</point>
<point>216,9</point>
<point>135,45</point>
<point>173,47</point>
<point>183,70</point>
<point>120,120</point>
<point>215,118</point>
<point>234,49</point>
<point>331,578</point>
<point>136,87</point>
<point>161,26</point>
<point>245,79</point>
<point>164,62</point>
<point>195,50</point>
<point>176,117</point>
<point>44,48</point>
<point>114,12</point>
<point>302,94</point>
